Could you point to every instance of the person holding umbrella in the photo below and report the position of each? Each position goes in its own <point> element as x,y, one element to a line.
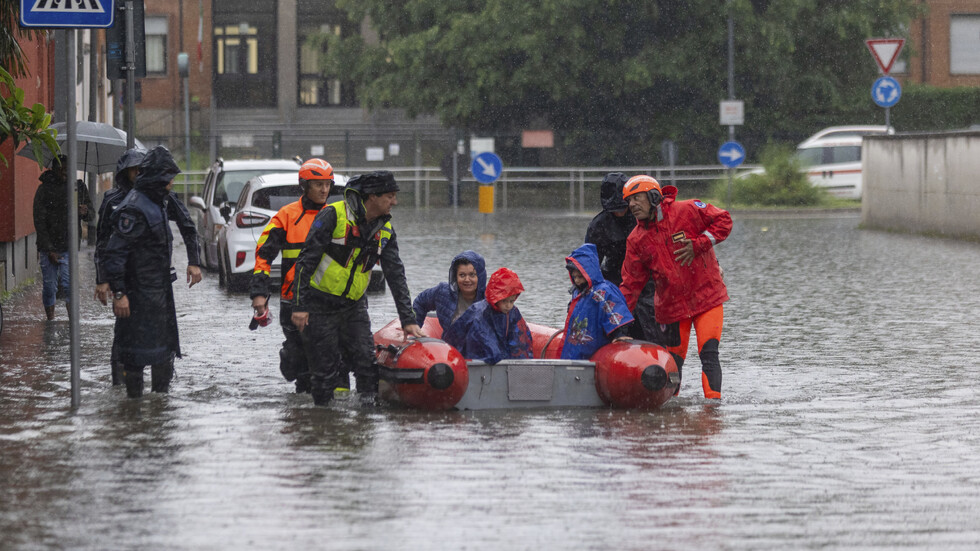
<point>51,225</point>
<point>137,264</point>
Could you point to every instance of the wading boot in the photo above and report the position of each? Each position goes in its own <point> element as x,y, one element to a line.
<point>367,390</point>
<point>322,396</point>
<point>286,366</point>
<point>680,363</point>
<point>710,370</point>
<point>303,383</point>
<point>49,312</point>
<point>117,372</point>
<point>160,377</point>
<point>134,382</point>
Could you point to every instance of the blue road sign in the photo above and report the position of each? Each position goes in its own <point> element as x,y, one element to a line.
<point>731,154</point>
<point>886,92</point>
<point>84,14</point>
<point>486,167</point>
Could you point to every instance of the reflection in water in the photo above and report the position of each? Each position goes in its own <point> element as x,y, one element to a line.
<point>848,419</point>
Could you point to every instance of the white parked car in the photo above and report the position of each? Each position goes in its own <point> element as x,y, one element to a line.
<point>222,186</point>
<point>831,158</point>
<point>260,199</point>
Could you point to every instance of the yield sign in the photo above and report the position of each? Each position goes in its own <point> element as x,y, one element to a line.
<point>885,51</point>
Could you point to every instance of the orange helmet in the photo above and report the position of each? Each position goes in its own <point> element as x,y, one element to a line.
<point>643,183</point>
<point>315,169</point>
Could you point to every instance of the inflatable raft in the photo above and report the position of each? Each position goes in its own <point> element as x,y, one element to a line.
<point>430,374</point>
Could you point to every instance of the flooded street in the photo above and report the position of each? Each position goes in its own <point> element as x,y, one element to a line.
<point>849,417</point>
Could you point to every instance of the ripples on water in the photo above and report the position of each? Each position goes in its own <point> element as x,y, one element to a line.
<point>849,418</point>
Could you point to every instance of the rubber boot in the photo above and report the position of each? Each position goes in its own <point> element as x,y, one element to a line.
<point>710,370</point>
<point>133,376</point>
<point>322,396</point>
<point>49,312</point>
<point>367,389</point>
<point>117,372</point>
<point>680,363</point>
<point>303,383</point>
<point>160,377</point>
<point>285,365</point>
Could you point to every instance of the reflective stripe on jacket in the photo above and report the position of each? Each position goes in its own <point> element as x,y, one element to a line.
<point>344,269</point>
<point>285,234</point>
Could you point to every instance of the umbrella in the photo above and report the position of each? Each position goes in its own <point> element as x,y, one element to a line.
<point>99,146</point>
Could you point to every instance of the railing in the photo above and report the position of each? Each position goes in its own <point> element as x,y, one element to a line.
<point>531,186</point>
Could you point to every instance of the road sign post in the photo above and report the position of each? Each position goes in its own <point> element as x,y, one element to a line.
<point>70,16</point>
<point>486,168</point>
<point>731,154</point>
<point>886,91</point>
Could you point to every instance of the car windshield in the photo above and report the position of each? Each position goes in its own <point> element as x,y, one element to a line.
<point>231,182</point>
<point>828,155</point>
<point>275,198</point>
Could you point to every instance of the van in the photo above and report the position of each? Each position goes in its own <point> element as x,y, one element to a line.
<point>832,158</point>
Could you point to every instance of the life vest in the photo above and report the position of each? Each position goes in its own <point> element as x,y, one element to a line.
<point>345,268</point>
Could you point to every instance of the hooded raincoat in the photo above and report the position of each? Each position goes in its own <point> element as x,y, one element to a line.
<point>487,334</point>
<point>136,262</point>
<point>682,291</point>
<point>609,232</point>
<point>444,297</point>
<point>596,312</point>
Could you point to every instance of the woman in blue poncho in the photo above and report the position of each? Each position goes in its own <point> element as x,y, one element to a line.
<point>466,285</point>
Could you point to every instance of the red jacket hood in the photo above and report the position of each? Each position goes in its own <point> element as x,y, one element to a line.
<point>503,283</point>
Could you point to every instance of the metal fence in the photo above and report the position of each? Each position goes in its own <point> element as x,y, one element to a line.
<point>576,188</point>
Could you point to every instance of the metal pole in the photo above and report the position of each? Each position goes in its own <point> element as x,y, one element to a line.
<point>130,77</point>
<point>888,117</point>
<point>71,176</point>
<point>418,174</point>
<point>187,137</point>
<point>731,89</point>
<point>93,69</point>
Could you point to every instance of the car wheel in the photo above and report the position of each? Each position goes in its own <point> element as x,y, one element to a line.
<point>222,275</point>
<point>237,282</point>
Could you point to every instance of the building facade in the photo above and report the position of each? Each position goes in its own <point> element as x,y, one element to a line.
<point>945,45</point>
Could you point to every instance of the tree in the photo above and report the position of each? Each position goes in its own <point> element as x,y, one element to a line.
<point>18,122</point>
<point>615,78</point>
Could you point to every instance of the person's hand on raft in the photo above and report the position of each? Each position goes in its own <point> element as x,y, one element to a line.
<point>412,330</point>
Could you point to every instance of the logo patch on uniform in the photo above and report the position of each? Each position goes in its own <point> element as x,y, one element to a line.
<point>384,241</point>
<point>699,204</point>
<point>126,223</point>
<point>677,237</point>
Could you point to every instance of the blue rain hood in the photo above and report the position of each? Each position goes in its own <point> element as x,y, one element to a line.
<point>594,312</point>
<point>157,170</point>
<point>586,259</point>
<point>478,263</point>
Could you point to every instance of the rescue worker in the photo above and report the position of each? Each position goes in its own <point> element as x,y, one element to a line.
<point>136,263</point>
<point>673,243</point>
<point>286,234</point>
<point>608,231</point>
<point>330,307</point>
<point>51,225</point>
<point>127,168</point>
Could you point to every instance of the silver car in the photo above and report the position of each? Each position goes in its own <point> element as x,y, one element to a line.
<point>222,186</point>
<point>259,201</point>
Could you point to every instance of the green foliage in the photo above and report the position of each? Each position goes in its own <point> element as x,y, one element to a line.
<point>21,123</point>
<point>616,78</point>
<point>782,184</point>
<point>11,56</point>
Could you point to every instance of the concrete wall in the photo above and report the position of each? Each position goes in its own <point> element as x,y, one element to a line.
<point>924,183</point>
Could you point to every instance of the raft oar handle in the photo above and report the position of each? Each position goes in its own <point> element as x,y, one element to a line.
<point>547,344</point>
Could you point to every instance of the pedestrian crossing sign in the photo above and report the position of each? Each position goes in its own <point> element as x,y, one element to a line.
<point>66,13</point>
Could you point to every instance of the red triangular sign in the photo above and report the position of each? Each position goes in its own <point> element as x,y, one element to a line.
<point>885,51</point>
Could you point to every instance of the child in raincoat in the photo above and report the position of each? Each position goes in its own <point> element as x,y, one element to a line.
<point>597,313</point>
<point>493,328</point>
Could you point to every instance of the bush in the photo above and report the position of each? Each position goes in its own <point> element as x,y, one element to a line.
<point>782,184</point>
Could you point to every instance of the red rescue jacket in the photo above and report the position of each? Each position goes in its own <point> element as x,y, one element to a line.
<point>682,291</point>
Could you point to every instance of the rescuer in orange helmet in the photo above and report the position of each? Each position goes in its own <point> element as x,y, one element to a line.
<point>673,243</point>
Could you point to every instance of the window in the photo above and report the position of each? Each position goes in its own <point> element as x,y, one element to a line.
<point>964,44</point>
<point>238,49</point>
<point>314,89</point>
<point>275,198</point>
<point>156,45</point>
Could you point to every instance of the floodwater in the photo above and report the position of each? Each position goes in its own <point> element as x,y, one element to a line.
<point>849,418</point>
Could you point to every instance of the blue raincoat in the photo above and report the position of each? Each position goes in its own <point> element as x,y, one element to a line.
<point>594,313</point>
<point>443,297</point>
<point>487,334</point>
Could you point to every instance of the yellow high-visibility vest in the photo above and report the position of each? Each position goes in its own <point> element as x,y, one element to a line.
<point>350,277</point>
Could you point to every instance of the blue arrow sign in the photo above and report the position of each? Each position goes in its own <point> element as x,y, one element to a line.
<point>886,91</point>
<point>731,154</point>
<point>86,14</point>
<point>486,167</point>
